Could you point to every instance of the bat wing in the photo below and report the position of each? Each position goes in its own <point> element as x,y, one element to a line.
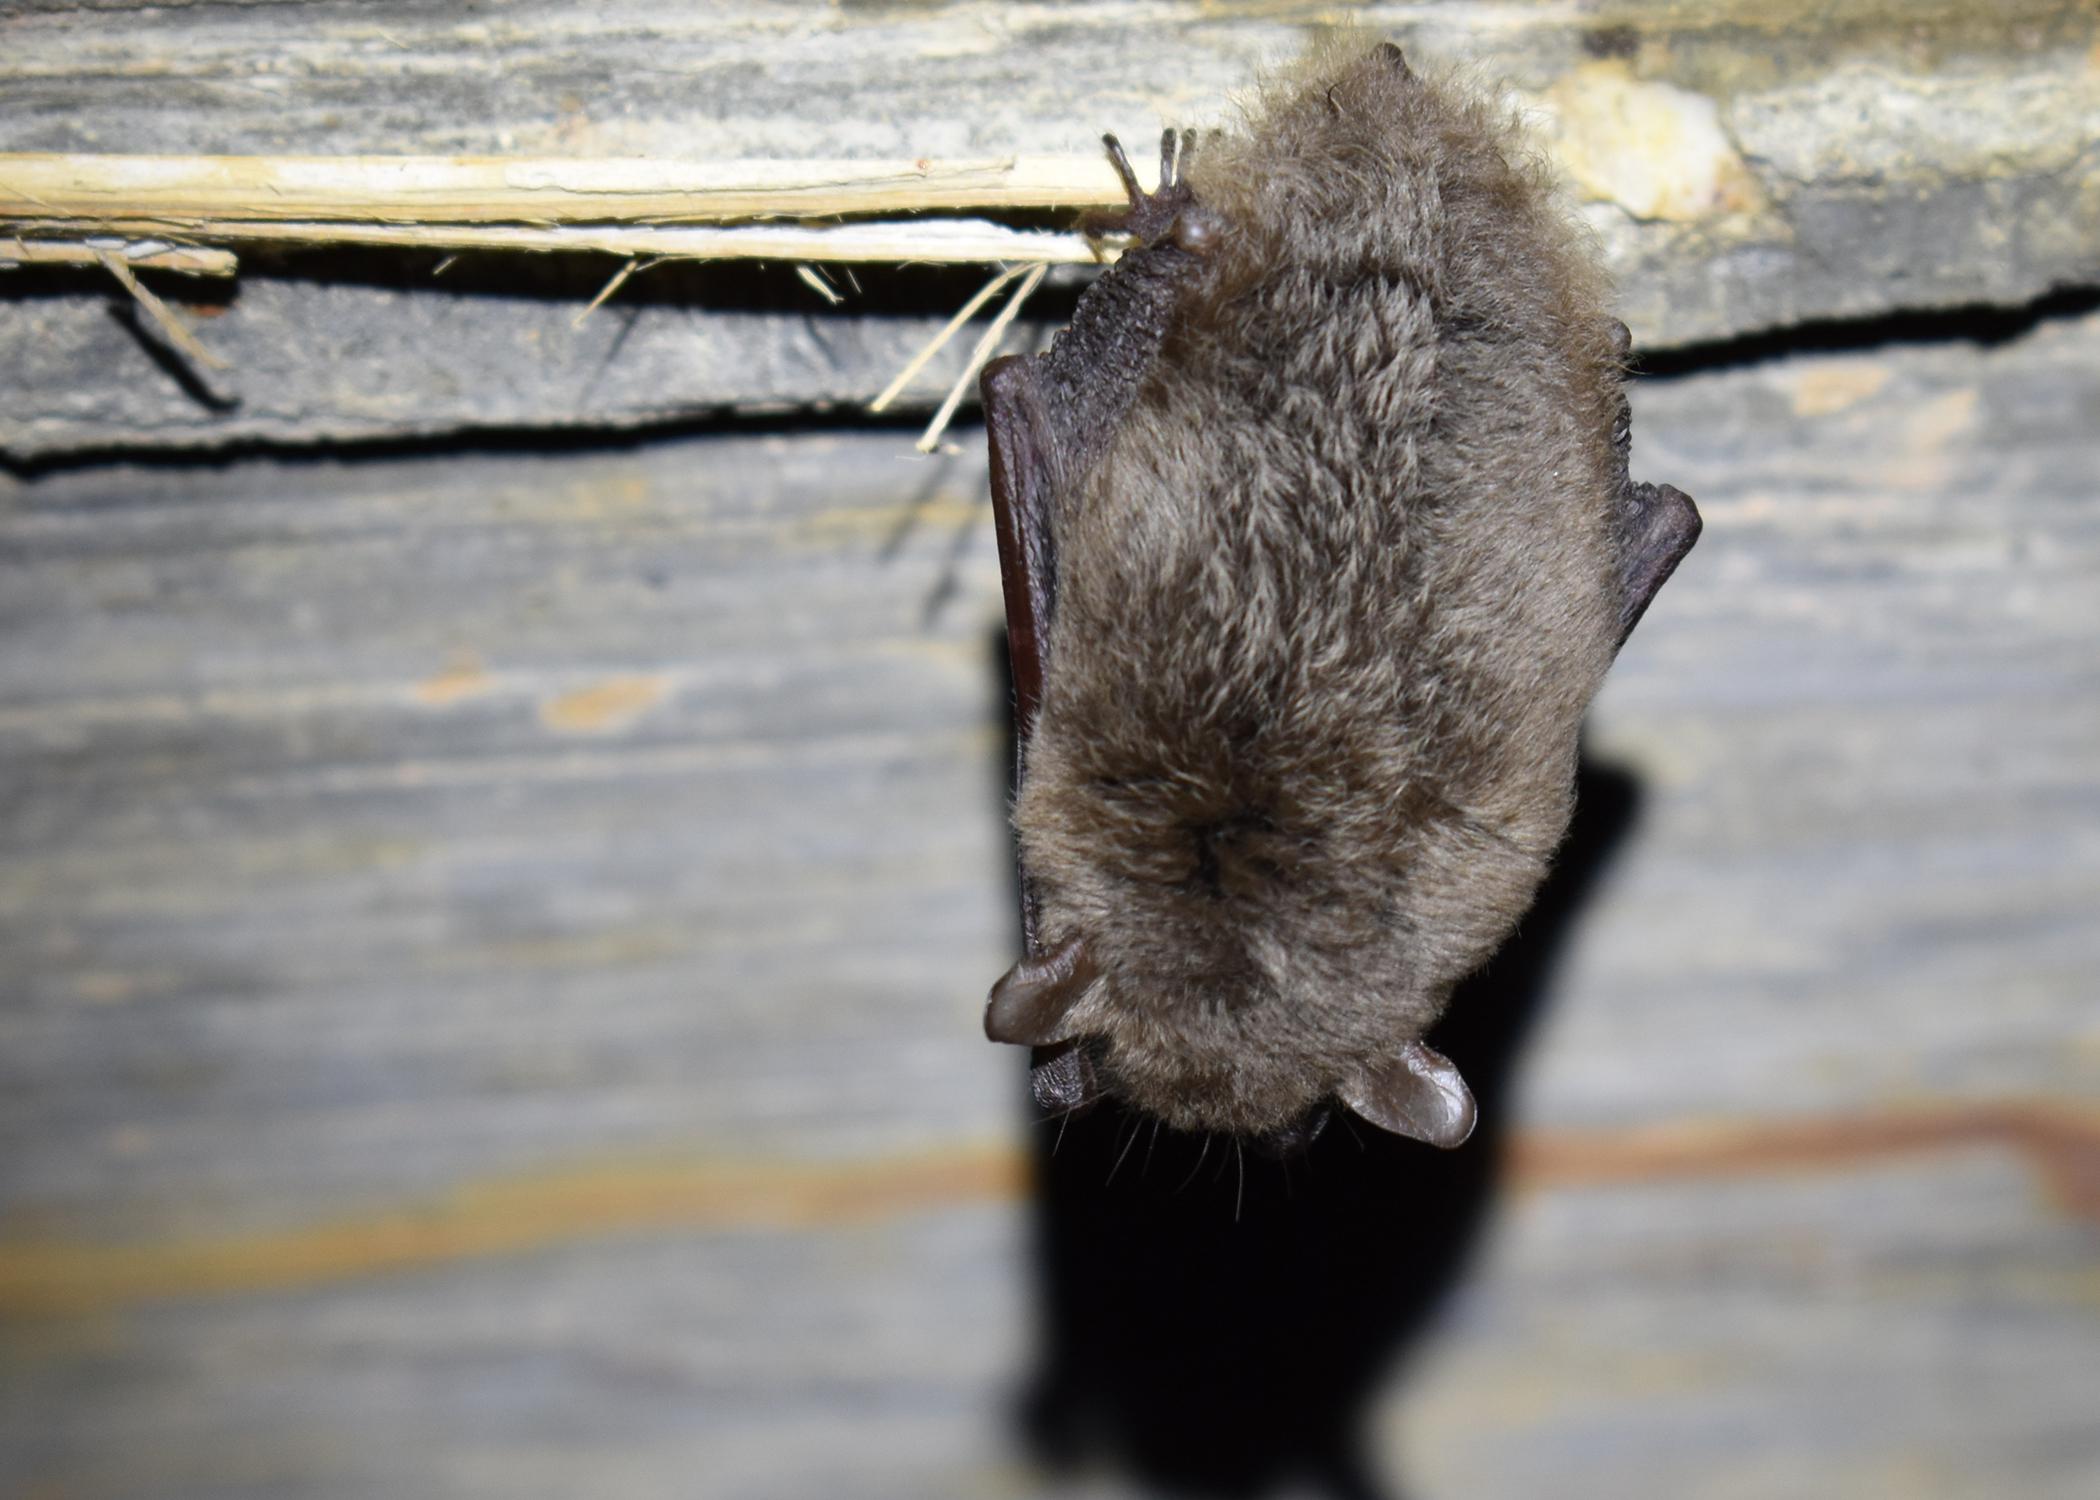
<point>1021,448</point>
<point>1023,481</point>
<point>1095,366</point>
<point>1658,527</point>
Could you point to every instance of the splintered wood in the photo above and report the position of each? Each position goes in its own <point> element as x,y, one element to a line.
<point>773,210</point>
<point>980,356</point>
<point>65,208</point>
<point>155,255</point>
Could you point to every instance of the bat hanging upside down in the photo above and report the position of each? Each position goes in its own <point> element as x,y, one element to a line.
<point>1317,537</point>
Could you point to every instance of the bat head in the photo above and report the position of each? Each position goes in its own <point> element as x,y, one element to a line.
<point>1239,937</point>
<point>1046,1002</point>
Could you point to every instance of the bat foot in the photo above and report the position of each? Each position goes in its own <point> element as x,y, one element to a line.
<point>1170,215</point>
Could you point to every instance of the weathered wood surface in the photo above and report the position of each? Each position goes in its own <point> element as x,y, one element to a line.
<point>382,351</point>
<point>492,946</point>
<point>1747,165</point>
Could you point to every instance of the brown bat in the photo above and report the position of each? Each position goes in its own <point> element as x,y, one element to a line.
<point>1317,537</point>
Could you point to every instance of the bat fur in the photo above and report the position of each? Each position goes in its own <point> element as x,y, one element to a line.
<point>1340,543</point>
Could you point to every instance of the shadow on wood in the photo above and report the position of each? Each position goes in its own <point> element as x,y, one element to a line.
<point>1215,1322</point>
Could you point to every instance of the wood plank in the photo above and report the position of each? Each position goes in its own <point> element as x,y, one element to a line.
<point>434,881</point>
<point>392,351</point>
<point>195,192</point>
<point>1745,166</point>
<point>1922,1329</point>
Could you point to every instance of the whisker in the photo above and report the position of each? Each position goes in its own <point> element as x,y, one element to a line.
<point>1135,1127</point>
<point>1200,1160</point>
<point>1062,1121</point>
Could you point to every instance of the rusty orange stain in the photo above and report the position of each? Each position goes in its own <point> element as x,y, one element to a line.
<point>605,706</point>
<point>104,988</point>
<point>2061,1143</point>
<point>68,1279</point>
<point>463,677</point>
<point>52,1277</point>
<point>1824,389</point>
<point>605,497</point>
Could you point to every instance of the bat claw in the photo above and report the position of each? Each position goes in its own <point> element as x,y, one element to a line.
<point>1121,162</point>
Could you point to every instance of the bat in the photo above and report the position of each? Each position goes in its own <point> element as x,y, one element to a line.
<point>1317,537</point>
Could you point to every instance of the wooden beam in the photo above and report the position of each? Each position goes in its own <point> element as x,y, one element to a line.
<point>932,241</point>
<point>150,255</point>
<point>197,192</point>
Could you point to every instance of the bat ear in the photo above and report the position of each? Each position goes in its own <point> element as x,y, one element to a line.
<point>1395,59</point>
<point>1033,1003</point>
<point>1416,1093</point>
<point>1658,526</point>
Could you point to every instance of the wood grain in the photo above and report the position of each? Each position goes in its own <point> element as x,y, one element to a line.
<point>1746,166</point>
<point>196,192</point>
<point>874,242</point>
<point>493,942</point>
